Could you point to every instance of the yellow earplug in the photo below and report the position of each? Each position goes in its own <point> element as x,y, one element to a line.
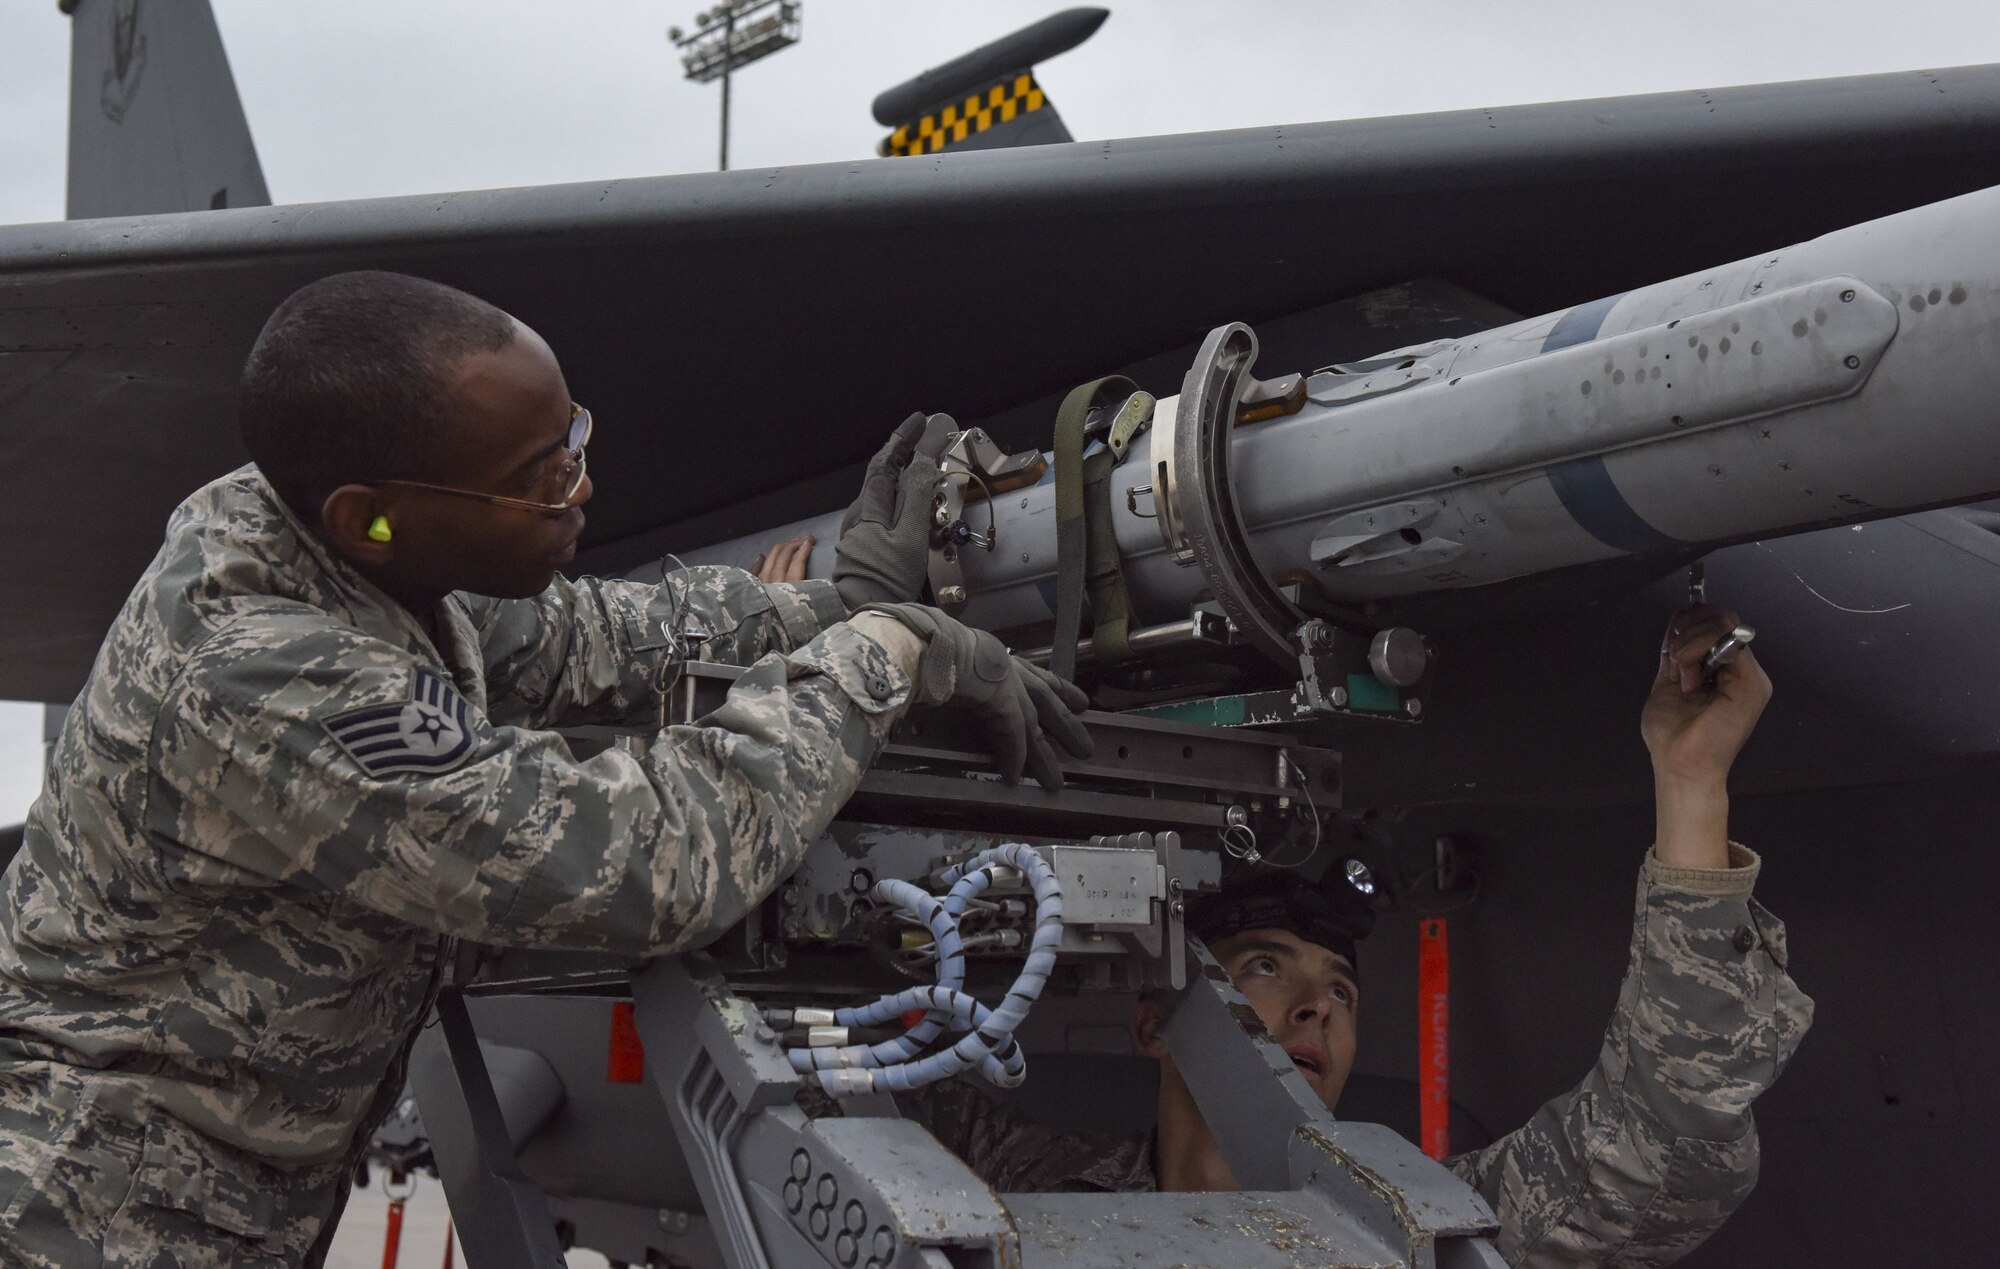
<point>379,531</point>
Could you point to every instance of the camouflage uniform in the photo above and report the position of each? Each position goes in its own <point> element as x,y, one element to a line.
<point>1637,1165</point>
<point>276,799</point>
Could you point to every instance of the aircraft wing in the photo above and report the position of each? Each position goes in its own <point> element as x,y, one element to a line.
<point>747,338</point>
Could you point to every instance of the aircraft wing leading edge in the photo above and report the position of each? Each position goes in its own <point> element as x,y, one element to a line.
<point>740,334</point>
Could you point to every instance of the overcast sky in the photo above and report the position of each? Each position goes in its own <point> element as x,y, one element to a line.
<point>371,97</point>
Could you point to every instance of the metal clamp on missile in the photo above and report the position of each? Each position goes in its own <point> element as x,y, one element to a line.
<point>974,469</point>
<point>1344,667</point>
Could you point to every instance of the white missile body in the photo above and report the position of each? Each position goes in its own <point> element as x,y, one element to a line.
<point>1847,378</point>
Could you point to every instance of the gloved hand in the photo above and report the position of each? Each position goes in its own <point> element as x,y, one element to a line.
<point>1021,706</point>
<point>885,538</point>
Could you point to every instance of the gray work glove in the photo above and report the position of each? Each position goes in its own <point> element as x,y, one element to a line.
<point>1021,706</point>
<point>885,539</point>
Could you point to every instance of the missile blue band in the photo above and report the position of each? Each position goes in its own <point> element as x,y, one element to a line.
<point>1592,499</point>
<point>1585,486</point>
<point>1580,324</point>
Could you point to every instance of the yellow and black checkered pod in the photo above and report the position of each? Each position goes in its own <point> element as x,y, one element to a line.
<point>1012,110</point>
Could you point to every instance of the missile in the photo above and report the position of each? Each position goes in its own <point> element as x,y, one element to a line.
<point>1851,377</point>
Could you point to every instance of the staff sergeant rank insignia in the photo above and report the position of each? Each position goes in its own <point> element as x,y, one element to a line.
<point>428,734</point>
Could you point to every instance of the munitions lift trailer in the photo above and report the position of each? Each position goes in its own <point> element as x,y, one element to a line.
<point>779,1188</point>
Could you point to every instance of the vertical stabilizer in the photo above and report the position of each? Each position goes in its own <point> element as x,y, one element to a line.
<point>988,99</point>
<point>154,121</point>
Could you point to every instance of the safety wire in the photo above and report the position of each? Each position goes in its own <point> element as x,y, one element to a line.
<point>1312,809</point>
<point>673,667</point>
<point>899,1064</point>
<point>1240,840</point>
<point>983,542</point>
<point>992,515</point>
<point>674,664</point>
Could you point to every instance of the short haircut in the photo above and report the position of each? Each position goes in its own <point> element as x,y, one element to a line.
<point>348,381</point>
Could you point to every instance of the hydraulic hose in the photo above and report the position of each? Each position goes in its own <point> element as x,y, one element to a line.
<point>988,1039</point>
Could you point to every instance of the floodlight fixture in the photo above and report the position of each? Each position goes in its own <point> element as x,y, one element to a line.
<point>729,36</point>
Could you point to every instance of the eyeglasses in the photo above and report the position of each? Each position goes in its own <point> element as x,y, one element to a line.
<point>570,473</point>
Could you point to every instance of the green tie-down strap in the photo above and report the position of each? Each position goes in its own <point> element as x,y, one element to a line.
<point>1086,544</point>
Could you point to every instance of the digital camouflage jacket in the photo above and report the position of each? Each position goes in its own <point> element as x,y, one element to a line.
<point>274,801</point>
<point>1635,1166</point>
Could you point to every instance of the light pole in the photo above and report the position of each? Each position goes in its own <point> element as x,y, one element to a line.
<point>731,35</point>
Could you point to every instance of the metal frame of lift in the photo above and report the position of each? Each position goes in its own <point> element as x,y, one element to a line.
<point>782,1190</point>
<point>867,1189</point>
